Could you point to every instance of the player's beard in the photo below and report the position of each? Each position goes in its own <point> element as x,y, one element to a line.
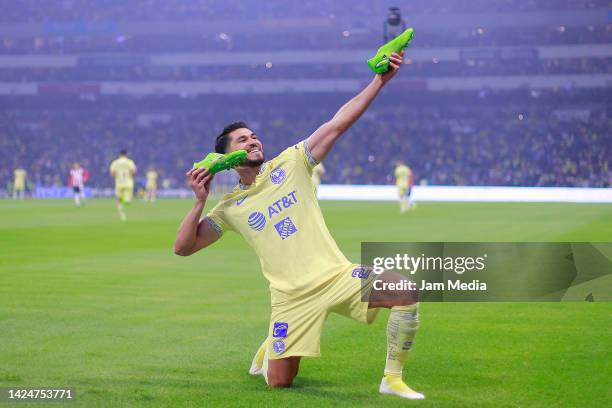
<point>253,163</point>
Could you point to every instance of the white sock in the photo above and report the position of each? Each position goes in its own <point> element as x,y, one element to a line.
<point>401,329</point>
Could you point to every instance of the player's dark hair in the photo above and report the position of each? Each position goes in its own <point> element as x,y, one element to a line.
<point>221,141</point>
<point>123,152</point>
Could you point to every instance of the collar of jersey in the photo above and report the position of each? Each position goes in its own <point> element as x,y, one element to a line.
<point>247,186</point>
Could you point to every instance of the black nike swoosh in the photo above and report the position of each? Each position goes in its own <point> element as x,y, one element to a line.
<point>238,202</point>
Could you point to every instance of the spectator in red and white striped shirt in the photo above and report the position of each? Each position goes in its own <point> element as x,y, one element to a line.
<point>77,179</point>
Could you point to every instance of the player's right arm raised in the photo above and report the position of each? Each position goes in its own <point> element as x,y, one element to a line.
<point>323,139</point>
<point>195,234</point>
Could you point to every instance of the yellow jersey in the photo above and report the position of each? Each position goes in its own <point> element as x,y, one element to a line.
<point>20,176</point>
<point>279,217</point>
<point>151,179</point>
<point>317,172</point>
<point>402,175</point>
<point>123,169</point>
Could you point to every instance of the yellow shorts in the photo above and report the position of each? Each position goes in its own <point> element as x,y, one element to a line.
<point>124,194</point>
<point>296,325</point>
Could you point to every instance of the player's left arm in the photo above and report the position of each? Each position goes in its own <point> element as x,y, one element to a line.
<point>323,139</point>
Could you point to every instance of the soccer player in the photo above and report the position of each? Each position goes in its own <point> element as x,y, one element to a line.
<point>123,170</point>
<point>275,209</point>
<point>77,179</point>
<point>404,182</point>
<point>317,174</point>
<point>19,183</point>
<point>151,186</point>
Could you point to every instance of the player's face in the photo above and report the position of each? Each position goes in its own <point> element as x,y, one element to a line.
<point>246,139</point>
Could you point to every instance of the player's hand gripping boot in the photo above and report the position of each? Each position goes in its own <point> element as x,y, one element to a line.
<point>380,62</point>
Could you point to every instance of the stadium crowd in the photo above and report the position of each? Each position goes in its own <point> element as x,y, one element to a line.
<point>561,142</point>
<point>118,10</point>
<point>509,144</point>
<point>435,68</point>
<point>115,41</point>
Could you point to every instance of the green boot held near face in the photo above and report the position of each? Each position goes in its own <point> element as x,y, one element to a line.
<point>216,162</point>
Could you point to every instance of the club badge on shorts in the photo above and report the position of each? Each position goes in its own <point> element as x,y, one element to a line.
<point>278,346</point>
<point>280,329</point>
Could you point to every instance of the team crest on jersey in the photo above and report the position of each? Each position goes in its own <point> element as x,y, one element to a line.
<point>257,221</point>
<point>278,346</point>
<point>278,175</point>
<point>280,329</point>
<point>285,228</point>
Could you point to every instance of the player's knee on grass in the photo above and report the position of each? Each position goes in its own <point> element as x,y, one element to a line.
<point>274,382</point>
<point>389,298</point>
<point>281,372</point>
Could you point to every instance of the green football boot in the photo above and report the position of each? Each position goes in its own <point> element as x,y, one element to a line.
<point>216,162</point>
<point>380,62</point>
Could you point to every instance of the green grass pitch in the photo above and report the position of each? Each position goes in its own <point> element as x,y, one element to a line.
<point>89,302</point>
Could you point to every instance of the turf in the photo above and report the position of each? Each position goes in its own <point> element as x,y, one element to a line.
<point>89,302</point>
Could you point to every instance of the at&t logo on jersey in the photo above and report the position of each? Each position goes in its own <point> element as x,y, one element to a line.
<point>280,329</point>
<point>257,221</point>
<point>285,228</point>
<point>277,175</point>
<point>279,205</point>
